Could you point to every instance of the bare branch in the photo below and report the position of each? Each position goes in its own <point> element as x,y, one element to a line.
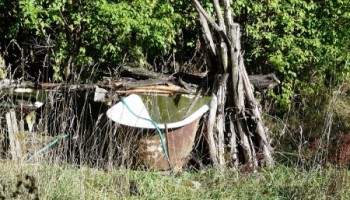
<point>212,22</point>
<point>207,32</point>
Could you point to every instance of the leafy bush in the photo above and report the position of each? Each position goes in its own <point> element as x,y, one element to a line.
<point>304,42</point>
<point>76,36</point>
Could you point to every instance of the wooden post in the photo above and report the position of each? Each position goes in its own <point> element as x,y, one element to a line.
<point>13,132</point>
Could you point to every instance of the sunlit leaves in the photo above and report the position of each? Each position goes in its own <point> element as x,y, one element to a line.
<point>296,39</point>
<point>102,31</point>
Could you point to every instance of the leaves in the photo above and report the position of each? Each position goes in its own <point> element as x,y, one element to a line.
<point>297,39</point>
<point>100,31</point>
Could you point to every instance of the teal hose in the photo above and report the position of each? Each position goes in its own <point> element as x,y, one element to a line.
<point>154,124</point>
<point>42,150</point>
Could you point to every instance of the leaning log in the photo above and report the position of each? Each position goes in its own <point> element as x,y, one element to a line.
<point>245,114</point>
<point>213,105</point>
<point>220,121</point>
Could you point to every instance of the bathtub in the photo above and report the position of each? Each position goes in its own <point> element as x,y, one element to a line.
<point>171,124</point>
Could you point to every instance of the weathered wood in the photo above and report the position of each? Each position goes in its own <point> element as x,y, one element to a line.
<point>233,145</point>
<point>142,73</point>
<point>186,86</point>
<point>160,89</point>
<point>228,15</point>
<point>10,83</point>
<point>223,46</point>
<point>208,37</point>
<point>60,86</point>
<point>140,83</point>
<point>13,133</point>
<point>244,142</point>
<point>262,83</point>
<point>236,80</point>
<point>264,142</point>
<point>221,94</point>
<point>211,124</point>
<point>238,95</point>
<point>242,99</point>
<point>212,22</point>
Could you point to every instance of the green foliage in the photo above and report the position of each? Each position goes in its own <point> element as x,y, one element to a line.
<point>9,23</point>
<point>87,33</point>
<point>304,42</point>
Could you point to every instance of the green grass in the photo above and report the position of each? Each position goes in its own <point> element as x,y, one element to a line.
<point>68,182</point>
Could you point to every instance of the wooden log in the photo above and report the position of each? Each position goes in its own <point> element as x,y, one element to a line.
<point>143,83</point>
<point>208,37</point>
<point>238,95</point>
<point>228,16</point>
<point>212,22</point>
<point>60,86</point>
<point>10,83</point>
<point>222,92</point>
<point>223,47</point>
<point>213,105</point>
<point>253,150</point>
<point>264,142</point>
<point>244,142</point>
<point>262,83</point>
<point>159,89</point>
<point>233,145</point>
<point>142,91</point>
<point>13,133</point>
<point>142,73</point>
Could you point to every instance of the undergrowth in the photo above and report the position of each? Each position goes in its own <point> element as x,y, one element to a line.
<point>311,141</point>
<point>67,182</point>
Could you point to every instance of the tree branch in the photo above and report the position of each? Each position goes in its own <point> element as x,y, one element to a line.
<point>212,22</point>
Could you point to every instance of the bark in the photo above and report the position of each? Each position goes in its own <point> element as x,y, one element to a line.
<point>207,33</point>
<point>233,145</point>
<point>222,92</point>
<point>223,46</point>
<point>242,100</point>
<point>210,129</point>
<point>14,135</point>
<point>264,142</point>
<point>212,22</point>
<point>142,73</point>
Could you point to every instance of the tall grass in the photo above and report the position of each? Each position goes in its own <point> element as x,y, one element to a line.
<point>95,161</point>
<point>68,182</point>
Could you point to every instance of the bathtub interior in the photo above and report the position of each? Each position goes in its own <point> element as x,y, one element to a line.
<point>176,110</point>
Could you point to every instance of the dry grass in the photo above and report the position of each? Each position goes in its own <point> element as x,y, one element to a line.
<point>43,181</point>
<point>95,163</point>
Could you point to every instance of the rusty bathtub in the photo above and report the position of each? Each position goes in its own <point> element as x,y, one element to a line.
<point>171,124</point>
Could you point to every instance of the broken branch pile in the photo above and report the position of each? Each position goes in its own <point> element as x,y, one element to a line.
<point>246,126</point>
